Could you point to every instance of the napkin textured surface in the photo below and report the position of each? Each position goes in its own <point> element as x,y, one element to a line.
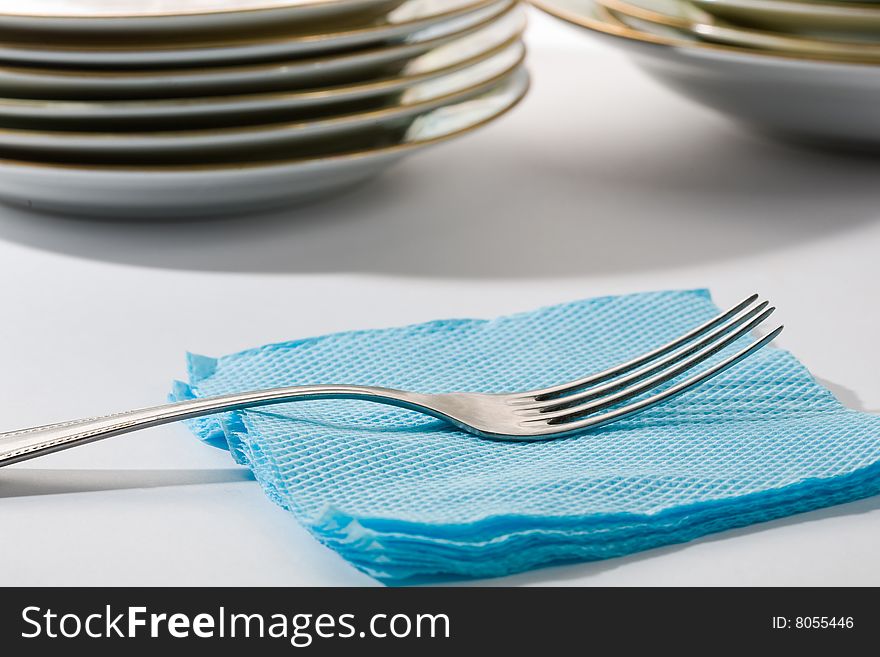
<point>401,495</point>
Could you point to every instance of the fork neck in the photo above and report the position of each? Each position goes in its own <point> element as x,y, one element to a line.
<point>16,446</point>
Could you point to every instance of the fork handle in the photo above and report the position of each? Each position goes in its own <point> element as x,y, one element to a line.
<point>16,446</point>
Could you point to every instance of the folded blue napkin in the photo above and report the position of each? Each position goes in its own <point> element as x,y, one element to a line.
<point>401,495</point>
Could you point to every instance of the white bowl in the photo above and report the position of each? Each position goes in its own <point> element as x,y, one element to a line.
<point>799,17</point>
<point>685,17</point>
<point>786,96</point>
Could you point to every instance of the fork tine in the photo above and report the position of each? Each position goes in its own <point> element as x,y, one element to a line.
<point>623,368</point>
<point>556,429</point>
<point>620,383</point>
<point>654,381</point>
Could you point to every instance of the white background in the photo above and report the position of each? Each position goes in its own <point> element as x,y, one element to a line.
<point>601,182</point>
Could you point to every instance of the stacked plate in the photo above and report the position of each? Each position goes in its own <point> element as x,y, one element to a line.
<point>803,70</point>
<point>128,108</point>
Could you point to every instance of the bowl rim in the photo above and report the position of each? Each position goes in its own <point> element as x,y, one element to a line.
<point>694,26</point>
<point>621,31</point>
<point>814,7</point>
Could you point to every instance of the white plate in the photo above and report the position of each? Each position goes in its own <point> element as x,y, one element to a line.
<point>238,144</point>
<point>74,17</point>
<point>169,192</point>
<point>820,103</point>
<point>249,109</point>
<point>394,27</point>
<point>72,84</point>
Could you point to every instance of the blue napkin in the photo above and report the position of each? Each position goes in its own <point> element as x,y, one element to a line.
<point>401,495</point>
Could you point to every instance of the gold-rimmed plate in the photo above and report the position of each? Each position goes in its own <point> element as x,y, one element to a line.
<point>682,15</point>
<point>396,26</point>
<point>256,142</point>
<point>176,191</point>
<point>248,109</point>
<point>77,18</point>
<point>358,65</point>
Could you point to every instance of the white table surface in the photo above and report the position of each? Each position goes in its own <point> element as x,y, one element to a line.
<point>601,182</point>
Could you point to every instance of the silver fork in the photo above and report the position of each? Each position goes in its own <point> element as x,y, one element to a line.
<point>560,410</point>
